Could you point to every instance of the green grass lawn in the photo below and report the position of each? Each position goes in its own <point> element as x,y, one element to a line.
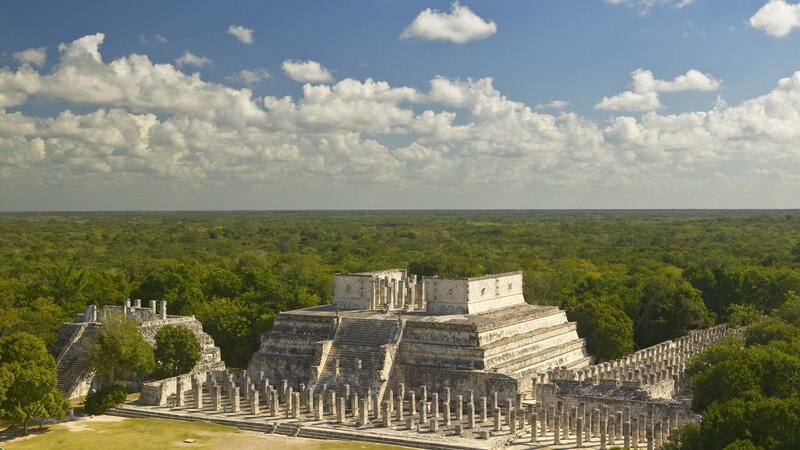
<point>159,434</point>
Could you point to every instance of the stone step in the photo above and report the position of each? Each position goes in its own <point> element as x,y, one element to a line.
<point>549,357</point>
<point>554,338</point>
<point>572,358</point>
<point>546,320</point>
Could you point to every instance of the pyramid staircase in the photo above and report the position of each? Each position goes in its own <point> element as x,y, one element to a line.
<point>373,343</point>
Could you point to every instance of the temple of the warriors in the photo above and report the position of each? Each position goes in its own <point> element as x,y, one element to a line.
<point>385,328</point>
<point>438,363</point>
<point>74,339</point>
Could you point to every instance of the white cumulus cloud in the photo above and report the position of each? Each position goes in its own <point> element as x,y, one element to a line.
<point>130,122</point>
<point>190,59</point>
<point>245,35</point>
<point>460,25</point>
<point>249,77</point>
<point>777,18</point>
<point>35,56</point>
<point>644,95</point>
<point>306,71</point>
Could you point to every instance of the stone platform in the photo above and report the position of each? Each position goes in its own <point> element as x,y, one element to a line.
<point>461,333</point>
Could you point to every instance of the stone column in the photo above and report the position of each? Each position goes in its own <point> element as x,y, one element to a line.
<point>272,403</point>
<point>434,425</point>
<point>612,427</point>
<point>587,426</point>
<point>179,393</point>
<point>309,400</point>
<point>386,414</point>
<point>648,429</point>
<point>423,407</point>
<point>332,403</point>
<point>512,421</point>
<point>412,402</point>
<point>579,431</point>
<point>634,432</point>
<point>254,402</point>
<point>354,405</point>
<point>446,413</point>
<point>543,426</point>
<point>362,417</point>
<point>435,405</point>
<point>319,411</point>
<point>556,430</point>
<point>296,406</point>
<point>340,411</point>
<point>658,434</point>
<point>626,435</point>
<point>163,310</point>
<point>484,410</point>
<point>459,409</point>
<point>471,415</point>
<point>447,398</point>
<point>603,442</point>
<point>399,409</point>
<point>216,398</point>
<point>494,401</point>
<point>533,426</point>
<point>498,420</point>
<point>235,400</point>
<point>197,390</point>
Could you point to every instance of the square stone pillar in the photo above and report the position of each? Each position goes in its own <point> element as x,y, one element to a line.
<point>235,400</point>
<point>254,402</point>
<point>197,391</point>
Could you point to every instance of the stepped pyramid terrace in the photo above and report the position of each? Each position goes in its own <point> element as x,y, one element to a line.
<point>385,328</point>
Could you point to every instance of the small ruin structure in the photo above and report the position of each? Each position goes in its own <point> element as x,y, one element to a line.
<point>76,337</point>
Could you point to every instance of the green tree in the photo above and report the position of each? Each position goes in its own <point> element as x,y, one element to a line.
<point>606,327</point>
<point>120,350</point>
<point>28,381</point>
<point>177,351</point>
<point>770,329</point>
<point>669,308</point>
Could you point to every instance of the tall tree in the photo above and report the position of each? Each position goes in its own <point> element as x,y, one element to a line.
<point>120,350</point>
<point>604,324</point>
<point>28,380</point>
<point>177,351</point>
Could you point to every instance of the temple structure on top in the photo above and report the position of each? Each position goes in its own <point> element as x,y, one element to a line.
<point>385,328</point>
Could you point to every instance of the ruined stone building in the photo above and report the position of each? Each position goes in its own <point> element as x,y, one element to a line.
<point>440,363</point>
<point>385,328</point>
<point>75,338</point>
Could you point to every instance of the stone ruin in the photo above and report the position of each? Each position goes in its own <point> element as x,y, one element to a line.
<point>75,338</point>
<point>385,328</point>
<point>440,363</point>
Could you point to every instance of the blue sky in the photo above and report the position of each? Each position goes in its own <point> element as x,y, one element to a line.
<point>339,111</point>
